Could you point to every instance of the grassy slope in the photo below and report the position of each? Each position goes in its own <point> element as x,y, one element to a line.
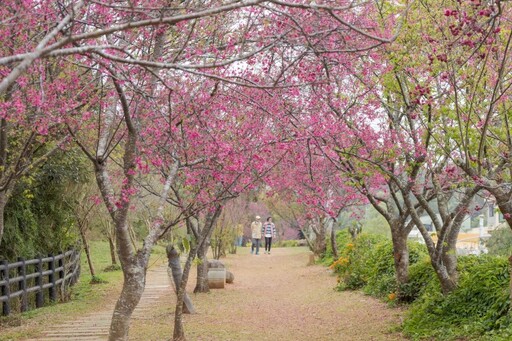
<point>86,297</point>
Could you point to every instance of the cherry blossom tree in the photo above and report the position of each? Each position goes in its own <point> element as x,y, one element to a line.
<point>315,185</point>
<point>35,108</point>
<point>463,90</point>
<point>474,78</point>
<point>374,137</point>
<point>139,55</point>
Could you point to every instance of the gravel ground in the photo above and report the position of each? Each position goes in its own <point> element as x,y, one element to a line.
<point>275,297</point>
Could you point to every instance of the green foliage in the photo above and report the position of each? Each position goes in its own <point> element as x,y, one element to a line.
<point>476,308</point>
<point>223,238</point>
<point>287,243</point>
<point>422,278</point>
<point>184,246</point>
<point>113,267</point>
<point>97,280</point>
<point>352,264</point>
<point>381,270</point>
<point>37,219</point>
<point>368,264</point>
<point>382,280</point>
<point>342,239</point>
<point>500,242</point>
<point>140,227</point>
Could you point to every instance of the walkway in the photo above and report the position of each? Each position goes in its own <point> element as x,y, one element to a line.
<point>95,326</point>
<point>274,297</point>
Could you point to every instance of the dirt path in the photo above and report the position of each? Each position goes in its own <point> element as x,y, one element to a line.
<point>274,297</point>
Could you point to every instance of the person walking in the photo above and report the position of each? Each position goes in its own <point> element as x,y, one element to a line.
<point>269,231</point>
<point>256,235</point>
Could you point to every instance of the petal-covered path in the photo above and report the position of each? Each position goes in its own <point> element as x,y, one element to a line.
<point>274,297</point>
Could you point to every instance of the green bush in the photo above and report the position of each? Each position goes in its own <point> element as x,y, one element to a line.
<point>342,239</point>
<point>381,270</point>
<point>477,307</point>
<point>287,243</point>
<point>382,280</point>
<point>422,278</point>
<point>368,263</point>
<point>352,266</point>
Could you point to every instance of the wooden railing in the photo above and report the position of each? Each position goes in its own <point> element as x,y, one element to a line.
<point>23,284</point>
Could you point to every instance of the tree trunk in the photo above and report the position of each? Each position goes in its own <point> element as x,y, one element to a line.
<point>334,245</point>
<point>134,269</point>
<point>177,274</point>
<point>202,251</point>
<point>308,240</point>
<point>448,284</point>
<point>321,242</point>
<point>452,275</point>
<point>133,288</point>
<point>112,249</point>
<point>3,203</point>
<point>202,242</point>
<point>450,253</point>
<point>87,250</point>
<point>505,205</point>
<point>179,331</point>
<point>400,255</point>
<point>202,269</point>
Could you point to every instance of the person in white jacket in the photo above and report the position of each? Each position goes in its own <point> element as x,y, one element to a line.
<point>256,235</point>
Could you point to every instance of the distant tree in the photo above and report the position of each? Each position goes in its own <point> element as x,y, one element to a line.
<point>37,219</point>
<point>500,242</point>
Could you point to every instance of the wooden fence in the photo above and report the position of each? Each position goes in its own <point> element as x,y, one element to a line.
<point>20,281</point>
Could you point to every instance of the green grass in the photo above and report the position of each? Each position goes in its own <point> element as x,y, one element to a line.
<point>85,297</point>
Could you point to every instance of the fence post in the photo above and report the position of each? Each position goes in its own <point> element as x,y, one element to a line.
<point>61,276</point>
<point>39,282</point>
<point>22,285</point>
<point>75,268</point>
<point>51,278</point>
<point>78,264</point>
<point>6,290</point>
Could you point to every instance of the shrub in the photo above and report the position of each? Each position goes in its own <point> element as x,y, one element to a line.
<point>477,307</point>
<point>287,243</point>
<point>381,270</point>
<point>342,239</point>
<point>422,278</point>
<point>382,279</point>
<point>352,266</point>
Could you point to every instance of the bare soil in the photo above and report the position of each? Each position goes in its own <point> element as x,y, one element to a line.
<point>274,297</point>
